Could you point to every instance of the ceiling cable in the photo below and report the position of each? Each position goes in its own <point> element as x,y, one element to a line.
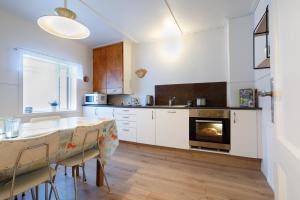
<point>173,16</point>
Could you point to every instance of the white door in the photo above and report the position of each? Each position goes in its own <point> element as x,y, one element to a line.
<point>285,33</point>
<point>244,133</point>
<point>146,126</point>
<point>172,128</point>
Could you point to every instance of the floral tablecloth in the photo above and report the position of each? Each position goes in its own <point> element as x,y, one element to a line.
<point>60,131</point>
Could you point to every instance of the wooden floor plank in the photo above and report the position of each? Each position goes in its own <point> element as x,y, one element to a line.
<point>139,172</point>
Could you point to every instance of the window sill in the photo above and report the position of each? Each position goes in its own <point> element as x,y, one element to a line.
<point>47,113</point>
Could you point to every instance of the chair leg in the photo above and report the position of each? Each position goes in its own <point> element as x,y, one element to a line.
<point>105,178</point>
<point>53,179</point>
<point>83,172</point>
<point>54,190</point>
<point>32,194</point>
<point>65,171</point>
<point>75,183</point>
<point>23,194</point>
<point>46,191</point>
<point>37,192</point>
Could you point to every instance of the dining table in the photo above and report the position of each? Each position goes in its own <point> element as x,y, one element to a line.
<point>65,126</point>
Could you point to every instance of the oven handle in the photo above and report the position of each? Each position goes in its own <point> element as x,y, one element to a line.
<point>209,121</point>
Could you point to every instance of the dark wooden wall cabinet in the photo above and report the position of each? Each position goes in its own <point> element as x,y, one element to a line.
<point>112,69</point>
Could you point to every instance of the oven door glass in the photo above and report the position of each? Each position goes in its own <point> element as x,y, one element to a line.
<point>209,130</point>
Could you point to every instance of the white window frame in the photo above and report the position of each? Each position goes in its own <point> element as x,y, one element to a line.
<point>48,59</point>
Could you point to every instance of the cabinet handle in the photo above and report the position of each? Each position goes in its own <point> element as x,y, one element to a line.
<point>125,117</point>
<point>125,123</point>
<point>172,112</point>
<point>234,118</point>
<point>152,114</point>
<point>126,110</point>
<point>126,130</point>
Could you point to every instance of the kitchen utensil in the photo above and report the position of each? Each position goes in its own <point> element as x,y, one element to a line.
<point>189,103</point>
<point>200,102</point>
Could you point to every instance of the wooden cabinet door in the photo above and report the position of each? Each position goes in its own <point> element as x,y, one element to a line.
<point>244,137</point>
<point>172,128</point>
<point>146,126</point>
<point>99,70</point>
<point>114,64</point>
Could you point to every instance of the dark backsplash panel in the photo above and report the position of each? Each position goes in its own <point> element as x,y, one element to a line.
<point>215,93</point>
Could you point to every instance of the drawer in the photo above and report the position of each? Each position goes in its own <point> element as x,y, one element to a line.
<point>127,134</point>
<point>130,118</point>
<point>126,124</point>
<point>125,111</point>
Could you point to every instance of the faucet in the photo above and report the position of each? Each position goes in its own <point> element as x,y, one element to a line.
<point>171,101</point>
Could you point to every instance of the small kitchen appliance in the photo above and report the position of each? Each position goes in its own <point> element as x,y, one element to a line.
<point>149,100</point>
<point>95,98</point>
<point>200,102</point>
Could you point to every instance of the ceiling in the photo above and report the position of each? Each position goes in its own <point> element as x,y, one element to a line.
<point>137,20</point>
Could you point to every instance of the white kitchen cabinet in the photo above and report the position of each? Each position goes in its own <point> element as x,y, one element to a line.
<point>146,126</point>
<point>99,112</point>
<point>245,136</point>
<point>126,121</point>
<point>172,128</point>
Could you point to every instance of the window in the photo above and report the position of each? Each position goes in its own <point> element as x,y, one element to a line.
<point>47,80</point>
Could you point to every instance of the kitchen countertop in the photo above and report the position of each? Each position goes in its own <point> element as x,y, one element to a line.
<point>169,107</point>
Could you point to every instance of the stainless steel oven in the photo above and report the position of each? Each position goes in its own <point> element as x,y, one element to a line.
<point>210,129</point>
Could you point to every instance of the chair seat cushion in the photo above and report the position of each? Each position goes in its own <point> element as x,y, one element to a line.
<point>26,181</point>
<point>77,159</point>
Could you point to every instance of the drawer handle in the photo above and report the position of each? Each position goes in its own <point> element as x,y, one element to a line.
<point>125,117</point>
<point>172,112</point>
<point>126,130</point>
<point>126,110</point>
<point>125,123</point>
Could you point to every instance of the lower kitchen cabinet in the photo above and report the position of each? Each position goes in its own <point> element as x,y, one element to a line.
<point>146,126</point>
<point>172,128</point>
<point>245,133</point>
<point>126,121</point>
<point>99,112</point>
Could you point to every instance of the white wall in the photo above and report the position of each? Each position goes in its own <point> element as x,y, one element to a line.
<point>240,59</point>
<point>262,82</point>
<point>192,58</point>
<point>19,33</point>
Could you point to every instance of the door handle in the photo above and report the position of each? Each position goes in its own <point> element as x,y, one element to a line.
<point>172,112</point>
<point>265,94</point>
<point>234,118</point>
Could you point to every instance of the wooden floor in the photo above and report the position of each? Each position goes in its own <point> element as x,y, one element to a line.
<point>139,172</point>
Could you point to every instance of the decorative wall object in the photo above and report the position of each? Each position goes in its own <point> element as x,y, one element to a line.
<point>141,72</point>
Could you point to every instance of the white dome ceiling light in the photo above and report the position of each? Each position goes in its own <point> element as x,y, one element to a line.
<point>64,24</point>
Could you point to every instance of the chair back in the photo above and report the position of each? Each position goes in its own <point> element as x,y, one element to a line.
<point>39,119</point>
<point>19,156</point>
<point>83,138</point>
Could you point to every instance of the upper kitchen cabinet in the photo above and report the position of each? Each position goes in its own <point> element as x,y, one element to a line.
<point>112,69</point>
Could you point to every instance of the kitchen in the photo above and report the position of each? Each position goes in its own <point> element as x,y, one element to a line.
<point>188,88</point>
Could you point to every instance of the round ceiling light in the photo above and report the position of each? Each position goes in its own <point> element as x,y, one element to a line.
<point>64,24</point>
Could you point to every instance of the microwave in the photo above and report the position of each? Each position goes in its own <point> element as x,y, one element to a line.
<point>95,98</point>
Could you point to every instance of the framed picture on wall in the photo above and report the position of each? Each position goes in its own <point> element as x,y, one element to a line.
<point>247,98</point>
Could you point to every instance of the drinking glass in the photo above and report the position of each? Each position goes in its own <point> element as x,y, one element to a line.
<point>12,126</point>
